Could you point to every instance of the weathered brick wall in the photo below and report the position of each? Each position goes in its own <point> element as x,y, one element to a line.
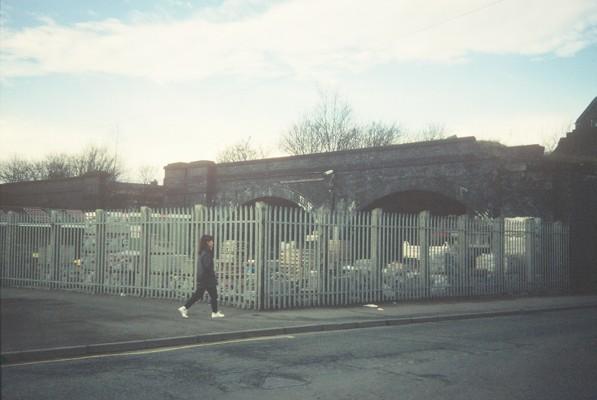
<point>498,179</point>
<point>577,205</point>
<point>186,184</point>
<point>580,142</point>
<point>72,193</point>
<point>81,193</point>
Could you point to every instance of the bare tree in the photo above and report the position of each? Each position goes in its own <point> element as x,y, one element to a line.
<point>301,138</point>
<point>92,160</point>
<point>241,151</point>
<point>433,131</point>
<point>95,159</point>
<point>330,126</point>
<point>379,134</point>
<point>147,174</point>
<point>56,166</point>
<point>551,141</point>
<point>17,169</point>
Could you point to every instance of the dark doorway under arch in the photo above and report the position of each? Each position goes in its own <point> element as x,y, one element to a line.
<point>415,201</point>
<point>273,201</point>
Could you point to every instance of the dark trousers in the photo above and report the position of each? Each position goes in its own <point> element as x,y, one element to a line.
<point>213,295</point>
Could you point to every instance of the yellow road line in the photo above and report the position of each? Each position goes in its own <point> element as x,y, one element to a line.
<point>151,351</point>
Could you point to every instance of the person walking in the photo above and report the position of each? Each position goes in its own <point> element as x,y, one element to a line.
<point>206,278</point>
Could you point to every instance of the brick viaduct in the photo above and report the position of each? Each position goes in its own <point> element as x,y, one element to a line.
<point>454,176</point>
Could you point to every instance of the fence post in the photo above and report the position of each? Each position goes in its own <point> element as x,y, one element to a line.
<point>323,226</point>
<point>376,287</point>
<point>539,254</point>
<point>9,266</point>
<point>144,248</point>
<point>260,256</point>
<point>423,227</point>
<point>529,230</point>
<point>3,252</point>
<point>464,273</point>
<point>498,250</point>
<point>100,249</point>
<point>557,260</point>
<point>54,250</point>
<point>566,255</point>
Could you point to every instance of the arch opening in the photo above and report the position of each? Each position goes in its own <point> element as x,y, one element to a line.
<point>415,201</point>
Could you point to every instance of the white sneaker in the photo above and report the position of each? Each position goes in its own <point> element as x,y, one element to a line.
<point>217,315</point>
<point>183,311</point>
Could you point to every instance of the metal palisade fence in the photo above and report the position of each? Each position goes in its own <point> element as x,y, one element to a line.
<point>271,257</point>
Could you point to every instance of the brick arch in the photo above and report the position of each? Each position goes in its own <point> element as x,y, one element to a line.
<point>273,192</point>
<point>441,198</point>
<point>415,201</point>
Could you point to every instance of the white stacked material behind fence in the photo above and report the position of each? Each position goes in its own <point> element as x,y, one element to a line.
<point>270,257</point>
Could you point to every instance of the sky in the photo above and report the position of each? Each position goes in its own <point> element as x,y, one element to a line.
<point>167,81</point>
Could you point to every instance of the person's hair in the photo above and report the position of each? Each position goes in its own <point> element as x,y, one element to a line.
<point>203,242</point>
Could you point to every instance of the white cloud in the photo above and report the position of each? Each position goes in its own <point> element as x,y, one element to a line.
<point>305,37</point>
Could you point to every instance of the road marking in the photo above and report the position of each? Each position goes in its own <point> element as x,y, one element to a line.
<point>151,351</point>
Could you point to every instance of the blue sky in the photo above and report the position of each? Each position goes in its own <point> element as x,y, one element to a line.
<point>176,80</point>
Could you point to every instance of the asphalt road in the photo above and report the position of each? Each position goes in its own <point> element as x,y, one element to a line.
<point>540,356</point>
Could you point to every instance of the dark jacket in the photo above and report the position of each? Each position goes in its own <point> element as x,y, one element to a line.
<point>206,276</point>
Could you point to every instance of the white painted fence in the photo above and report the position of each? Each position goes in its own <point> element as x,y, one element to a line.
<point>269,258</point>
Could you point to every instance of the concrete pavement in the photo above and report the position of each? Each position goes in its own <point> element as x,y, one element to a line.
<point>40,324</point>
